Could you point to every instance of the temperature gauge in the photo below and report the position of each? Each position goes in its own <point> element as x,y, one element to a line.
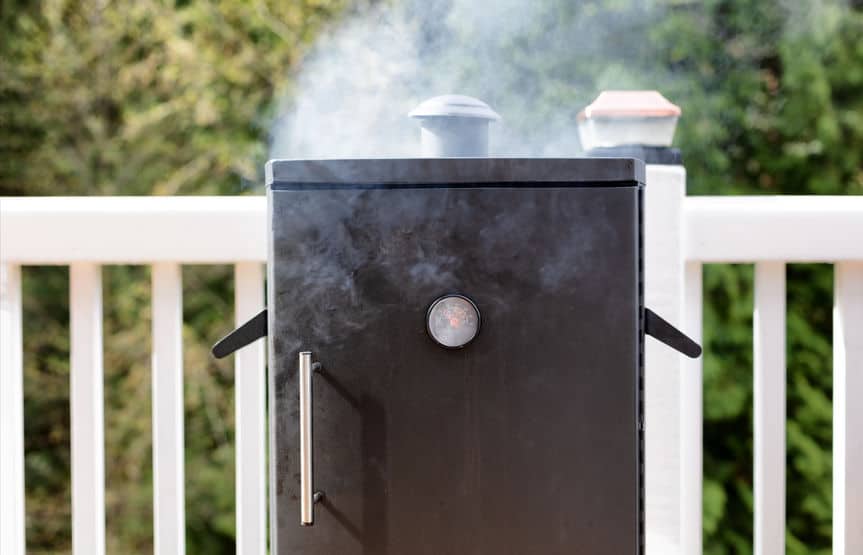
<point>453,321</point>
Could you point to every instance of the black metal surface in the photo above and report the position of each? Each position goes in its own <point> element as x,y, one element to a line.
<point>454,171</point>
<point>656,326</point>
<point>525,441</point>
<point>252,330</point>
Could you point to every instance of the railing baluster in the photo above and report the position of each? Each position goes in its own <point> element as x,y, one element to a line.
<point>848,410</point>
<point>769,411</point>
<point>168,482</point>
<point>11,413</point>
<point>692,474</point>
<point>251,423</point>
<point>87,409</point>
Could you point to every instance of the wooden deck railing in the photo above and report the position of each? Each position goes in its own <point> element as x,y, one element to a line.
<point>681,234</point>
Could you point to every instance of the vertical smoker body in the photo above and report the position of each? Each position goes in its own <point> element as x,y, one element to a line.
<point>525,441</point>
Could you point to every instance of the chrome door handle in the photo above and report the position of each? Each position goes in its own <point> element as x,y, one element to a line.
<point>308,495</point>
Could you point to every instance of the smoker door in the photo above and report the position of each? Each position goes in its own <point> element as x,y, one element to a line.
<point>526,441</point>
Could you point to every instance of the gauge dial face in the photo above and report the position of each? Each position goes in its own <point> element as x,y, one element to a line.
<point>453,321</point>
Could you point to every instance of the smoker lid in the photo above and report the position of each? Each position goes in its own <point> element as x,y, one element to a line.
<point>453,171</point>
<point>454,106</point>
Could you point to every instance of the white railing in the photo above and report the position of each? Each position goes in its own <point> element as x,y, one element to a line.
<point>682,234</point>
<point>164,232</point>
<point>770,232</point>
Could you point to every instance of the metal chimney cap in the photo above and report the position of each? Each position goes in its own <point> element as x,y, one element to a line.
<point>454,106</point>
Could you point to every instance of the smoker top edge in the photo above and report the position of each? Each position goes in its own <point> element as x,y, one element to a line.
<point>455,170</point>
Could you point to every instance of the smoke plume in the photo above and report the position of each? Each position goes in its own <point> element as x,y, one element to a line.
<point>536,63</point>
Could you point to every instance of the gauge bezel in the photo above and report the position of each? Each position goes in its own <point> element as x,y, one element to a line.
<point>440,300</point>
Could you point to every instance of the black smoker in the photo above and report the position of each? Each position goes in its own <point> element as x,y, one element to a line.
<point>473,329</point>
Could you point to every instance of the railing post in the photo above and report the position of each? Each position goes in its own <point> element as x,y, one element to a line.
<point>848,409</point>
<point>251,419</point>
<point>11,413</point>
<point>87,409</point>
<point>671,489</point>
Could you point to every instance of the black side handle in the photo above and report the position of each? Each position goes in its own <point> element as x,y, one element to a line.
<point>660,329</point>
<point>252,330</point>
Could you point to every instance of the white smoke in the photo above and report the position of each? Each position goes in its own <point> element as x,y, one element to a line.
<point>528,60</point>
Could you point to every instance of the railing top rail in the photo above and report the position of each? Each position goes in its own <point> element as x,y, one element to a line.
<point>132,204</point>
<point>133,230</point>
<point>782,228</point>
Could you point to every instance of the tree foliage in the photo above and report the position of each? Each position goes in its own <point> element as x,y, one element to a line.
<point>150,97</point>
